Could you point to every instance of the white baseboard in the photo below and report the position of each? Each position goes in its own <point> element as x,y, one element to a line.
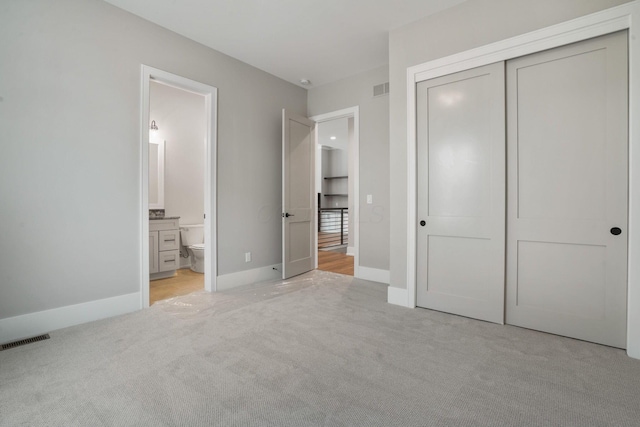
<point>351,251</point>
<point>248,277</point>
<point>397,296</point>
<point>28,325</point>
<point>373,274</point>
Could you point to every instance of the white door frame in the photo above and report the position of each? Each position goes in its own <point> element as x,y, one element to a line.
<point>210,94</point>
<point>354,159</point>
<point>622,17</point>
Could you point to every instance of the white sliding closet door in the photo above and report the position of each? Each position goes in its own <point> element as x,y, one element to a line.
<point>567,201</point>
<point>461,193</point>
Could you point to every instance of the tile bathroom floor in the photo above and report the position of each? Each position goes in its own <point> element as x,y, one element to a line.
<point>184,282</point>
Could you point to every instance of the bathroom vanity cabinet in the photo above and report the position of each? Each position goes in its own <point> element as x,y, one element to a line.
<point>164,247</point>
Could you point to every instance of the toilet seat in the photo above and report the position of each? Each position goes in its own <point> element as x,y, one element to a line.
<point>197,246</point>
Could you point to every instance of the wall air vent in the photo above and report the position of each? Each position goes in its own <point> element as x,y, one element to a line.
<point>381,89</point>
<point>25,341</point>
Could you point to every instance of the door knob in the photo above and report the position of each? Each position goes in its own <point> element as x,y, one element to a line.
<point>615,231</point>
<point>423,223</point>
<point>287,215</point>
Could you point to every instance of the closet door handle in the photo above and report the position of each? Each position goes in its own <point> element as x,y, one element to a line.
<point>615,231</point>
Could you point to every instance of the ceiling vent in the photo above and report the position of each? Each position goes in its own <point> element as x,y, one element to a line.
<point>381,89</point>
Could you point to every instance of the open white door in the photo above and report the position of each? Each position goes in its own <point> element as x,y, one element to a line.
<point>298,200</point>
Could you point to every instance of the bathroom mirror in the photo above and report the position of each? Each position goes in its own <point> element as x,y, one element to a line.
<point>156,175</point>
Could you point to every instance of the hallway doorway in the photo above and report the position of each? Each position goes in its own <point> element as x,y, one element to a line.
<point>337,188</point>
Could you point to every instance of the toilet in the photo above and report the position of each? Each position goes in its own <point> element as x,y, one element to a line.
<point>192,237</point>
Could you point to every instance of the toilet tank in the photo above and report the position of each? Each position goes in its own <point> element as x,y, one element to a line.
<point>192,234</point>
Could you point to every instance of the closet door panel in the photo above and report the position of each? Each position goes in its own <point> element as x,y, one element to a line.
<point>461,193</point>
<point>567,180</point>
<point>561,104</point>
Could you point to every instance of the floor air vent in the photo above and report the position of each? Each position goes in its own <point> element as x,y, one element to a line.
<point>25,341</point>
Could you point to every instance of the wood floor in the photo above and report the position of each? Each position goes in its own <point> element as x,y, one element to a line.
<point>335,262</point>
<point>184,282</point>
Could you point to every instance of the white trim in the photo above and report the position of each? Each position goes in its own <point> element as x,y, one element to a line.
<point>28,325</point>
<point>354,218</point>
<point>210,94</point>
<point>397,296</point>
<point>351,251</point>
<point>374,275</point>
<point>576,30</point>
<point>412,203</point>
<point>249,277</point>
<point>622,17</point>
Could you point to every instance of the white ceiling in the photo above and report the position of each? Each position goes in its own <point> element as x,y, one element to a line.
<point>338,128</point>
<point>321,40</point>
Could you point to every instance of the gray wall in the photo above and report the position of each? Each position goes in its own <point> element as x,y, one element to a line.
<point>471,24</point>
<point>180,117</point>
<point>374,155</point>
<point>70,162</point>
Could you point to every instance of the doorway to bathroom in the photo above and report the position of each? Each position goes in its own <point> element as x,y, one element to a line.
<point>178,186</point>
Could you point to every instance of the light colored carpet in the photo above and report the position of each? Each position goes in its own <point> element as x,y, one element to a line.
<point>320,350</point>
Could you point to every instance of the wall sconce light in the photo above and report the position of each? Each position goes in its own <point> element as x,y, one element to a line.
<point>153,125</point>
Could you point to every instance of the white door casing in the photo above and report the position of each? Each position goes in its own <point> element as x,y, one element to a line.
<point>210,94</point>
<point>298,194</point>
<point>461,193</point>
<point>567,162</point>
